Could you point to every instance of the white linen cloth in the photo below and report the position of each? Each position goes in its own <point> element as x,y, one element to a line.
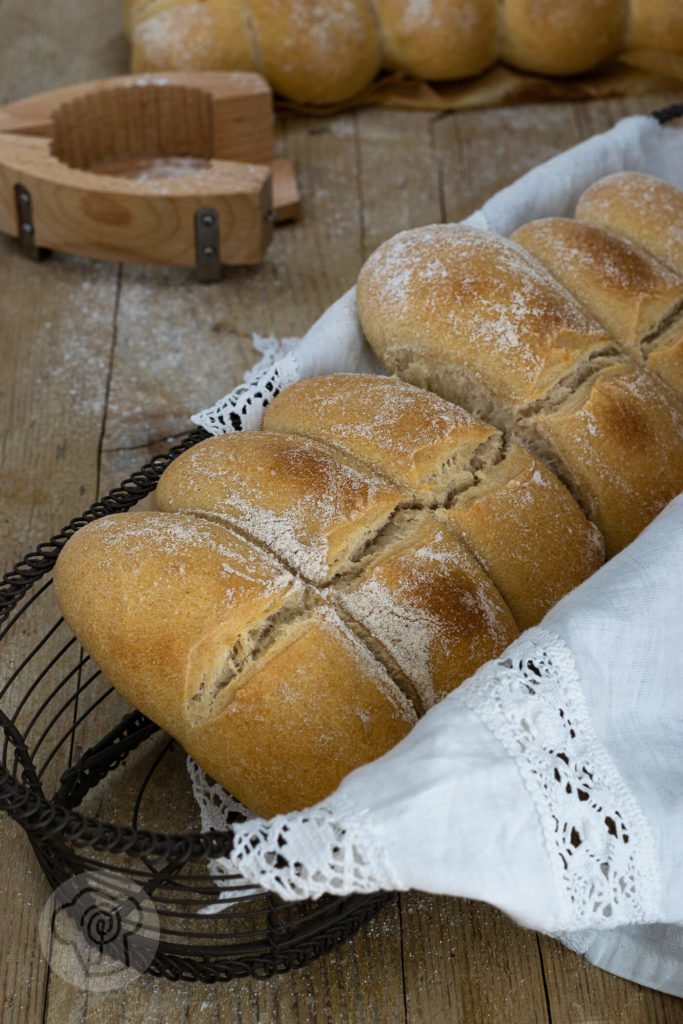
<point>550,783</point>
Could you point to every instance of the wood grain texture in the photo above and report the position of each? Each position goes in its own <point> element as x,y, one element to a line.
<point>102,367</point>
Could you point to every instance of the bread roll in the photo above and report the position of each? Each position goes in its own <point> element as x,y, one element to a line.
<point>316,53</point>
<point>514,515</point>
<point>475,318</point>
<point>328,51</point>
<point>561,38</point>
<point>200,35</point>
<point>655,25</point>
<point>438,39</point>
<point>644,209</point>
<point>635,297</point>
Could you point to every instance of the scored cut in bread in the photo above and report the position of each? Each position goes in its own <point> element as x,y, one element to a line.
<point>516,517</point>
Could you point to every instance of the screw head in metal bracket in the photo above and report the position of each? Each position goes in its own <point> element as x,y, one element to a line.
<point>207,245</point>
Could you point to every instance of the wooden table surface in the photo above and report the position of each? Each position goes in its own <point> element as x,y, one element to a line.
<point>101,366</point>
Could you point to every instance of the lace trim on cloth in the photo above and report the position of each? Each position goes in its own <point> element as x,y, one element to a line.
<point>243,408</point>
<point>300,855</point>
<point>600,845</point>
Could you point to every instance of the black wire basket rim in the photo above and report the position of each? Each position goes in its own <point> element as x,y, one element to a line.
<point>24,800</point>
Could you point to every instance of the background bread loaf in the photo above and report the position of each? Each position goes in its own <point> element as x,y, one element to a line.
<point>327,51</point>
<point>307,590</point>
<point>477,319</point>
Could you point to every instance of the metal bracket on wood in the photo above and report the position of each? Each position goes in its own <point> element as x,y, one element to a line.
<point>27,231</point>
<point>207,245</point>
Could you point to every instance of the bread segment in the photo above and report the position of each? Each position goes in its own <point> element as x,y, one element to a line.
<point>628,291</point>
<point>644,209</point>
<point>313,52</point>
<point>561,38</point>
<point>527,532</point>
<point>313,510</point>
<point>407,435</point>
<point>170,607</point>
<point>516,518</point>
<point>438,39</point>
<point>316,707</point>
<point>199,35</point>
<point>426,599</point>
<point>620,436</point>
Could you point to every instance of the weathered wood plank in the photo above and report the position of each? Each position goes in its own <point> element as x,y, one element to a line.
<point>398,172</point>
<point>579,993</point>
<point>466,961</point>
<point>55,336</point>
<point>55,339</point>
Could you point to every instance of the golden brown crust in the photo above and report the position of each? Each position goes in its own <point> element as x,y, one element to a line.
<point>315,53</point>
<point>552,38</point>
<point>427,600</point>
<point>313,509</point>
<point>449,294</point>
<point>289,736</point>
<point>625,288</point>
<point>184,35</point>
<point>153,598</point>
<point>621,435</point>
<point>411,436</point>
<point>641,207</point>
<point>528,533</point>
<point>438,40</point>
<point>655,25</point>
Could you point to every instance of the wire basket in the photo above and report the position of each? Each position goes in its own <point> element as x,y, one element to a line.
<point>67,734</point>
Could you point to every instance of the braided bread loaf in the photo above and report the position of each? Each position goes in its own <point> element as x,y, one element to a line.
<point>307,590</point>
<point>327,51</point>
<point>478,319</point>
